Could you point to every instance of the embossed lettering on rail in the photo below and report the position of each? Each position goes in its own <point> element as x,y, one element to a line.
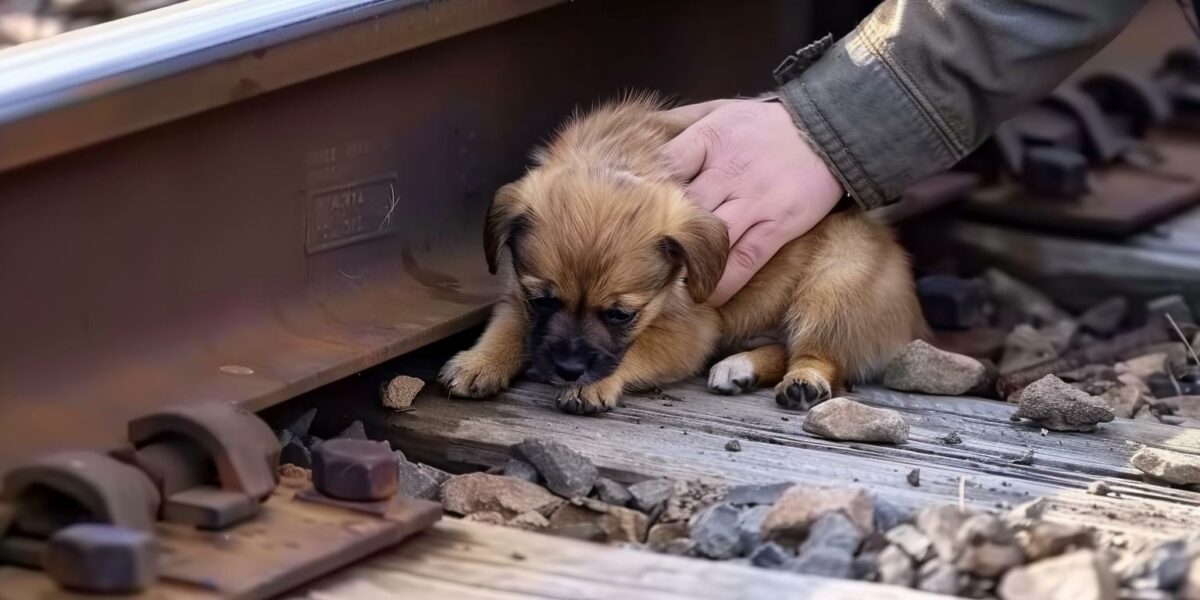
<point>350,213</point>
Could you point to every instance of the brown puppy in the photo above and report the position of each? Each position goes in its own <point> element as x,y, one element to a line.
<point>609,266</point>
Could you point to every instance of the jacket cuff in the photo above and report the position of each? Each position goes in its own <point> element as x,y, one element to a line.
<point>870,129</point>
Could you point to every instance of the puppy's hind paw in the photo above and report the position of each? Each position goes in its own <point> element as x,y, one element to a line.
<point>589,399</point>
<point>471,374</point>
<point>802,389</point>
<point>733,375</point>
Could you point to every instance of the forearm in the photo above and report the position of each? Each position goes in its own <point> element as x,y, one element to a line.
<point>919,84</point>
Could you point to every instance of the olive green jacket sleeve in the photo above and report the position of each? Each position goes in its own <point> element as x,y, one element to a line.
<point>919,84</point>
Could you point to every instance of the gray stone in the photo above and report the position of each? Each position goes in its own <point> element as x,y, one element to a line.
<point>914,477</point>
<point>1168,465</point>
<point>986,547</point>
<point>294,453</point>
<point>895,567</point>
<point>716,533</point>
<point>733,446</point>
<point>847,420</point>
<point>794,513</point>
<point>435,473</point>
<point>567,472</point>
<point>1020,298</point>
<point>1099,488</point>
<point>922,368</point>
<point>939,577</point>
<point>521,470</point>
<point>1174,305</point>
<point>688,498</point>
<point>757,493</point>
<point>1080,575</point>
<point>414,482</point>
<point>823,562</point>
<point>832,530</point>
<point>1043,539</point>
<point>649,496</point>
<point>531,521</point>
<point>750,525</point>
<point>663,535</point>
<point>303,423</point>
<point>1025,347</point>
<point>481,492</point>
<point>889,515</point>
<point>1168,564</point>
<point>1104,318</point>
<point>912,541</point>
<point>354,431</point>
<point>941,524</point>
<point>1052,404</point>
<point>770,556</point>
<point>865,566</point>
<point>612,492</point>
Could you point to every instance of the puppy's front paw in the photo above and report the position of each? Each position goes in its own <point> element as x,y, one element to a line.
<point>589,399</point>
<point>733,375</point>
<point>802,389</point>
<point>472,374</point>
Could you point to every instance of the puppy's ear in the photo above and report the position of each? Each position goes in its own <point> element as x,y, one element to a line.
<point>506,216</point>
<point>702,247</point>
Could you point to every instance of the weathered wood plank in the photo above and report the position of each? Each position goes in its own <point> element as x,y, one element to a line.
<point>683,438</point>
<point>472,560</point>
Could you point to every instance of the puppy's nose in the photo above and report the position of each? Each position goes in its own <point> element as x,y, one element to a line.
<point>570,369</point>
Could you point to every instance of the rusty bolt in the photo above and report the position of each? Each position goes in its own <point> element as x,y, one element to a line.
<point>1055,172</point>
<point>355,470</point>
<point>102,559</point>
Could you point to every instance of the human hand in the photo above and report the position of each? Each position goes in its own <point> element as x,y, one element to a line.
<point>748,164</point>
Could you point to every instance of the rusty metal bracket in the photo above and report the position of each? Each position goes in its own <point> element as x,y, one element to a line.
<point>1133,102</point>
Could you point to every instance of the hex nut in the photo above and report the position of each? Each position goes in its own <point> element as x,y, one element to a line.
<point>102,559</point>
<point>355,470</point>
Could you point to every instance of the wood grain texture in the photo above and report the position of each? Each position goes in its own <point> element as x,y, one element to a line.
<point>464,560</point>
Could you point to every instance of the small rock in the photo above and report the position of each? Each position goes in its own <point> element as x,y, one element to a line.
<point>1027,303</point>
<point>799,507</point>
<point>520,470</point>
<point>1099,488</point>
<point>845,419</point>
<point>1061,407</point>
<point>1024,348</point>
<point>354,431</point>
<point>750,525</point>
<point>912,541</point>
<point>612,492</point>
<point>400,392</point>
<point>951,302</point>
<point>832,530</point>
<point>769,556</point>
<point>1044,539</point>
<point>1026,458</point>
<point>914,478</point>
<point>414,482</point>
<point>567,472</point>
<point>756,493</point>
<point>941,524</point>
<point>312,442</point>
<point>1104,318</point>
<point>823,562</point>
<point>1169,564</point>
<point>715,532</point>
<point>1060,334</point>
<point>480,492</point>
<point>952,439</point>
<point>688,498</point>
<point>895,567</point>
<point>649,496</point>
<point>986,547</point>
<point>1125,400</point>
<point>1174,305</point>
<point>618,524</point>
<point>303,423</point>
<point>1030,511</point>
<point>488,516</point>
<point>733,446</point>
<point>531,520</point>
<point>662,535</point>
<point>290,471</point>
<point>1080,575</point>
<point>1187,407</point>
<point>939,577</point>
<point>888,515</point>
<point>1143,366</point>
<point>1168,465</point>
<point>588,532</point>
<point>923,368</point>
<point>435,473</point>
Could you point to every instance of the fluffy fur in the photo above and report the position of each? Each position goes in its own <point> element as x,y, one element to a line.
<point>608,267</point>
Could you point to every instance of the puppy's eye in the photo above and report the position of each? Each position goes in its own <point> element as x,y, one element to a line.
<point>618,316</point>
<point>545,303</point>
